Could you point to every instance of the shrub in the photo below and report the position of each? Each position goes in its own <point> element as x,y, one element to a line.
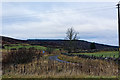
<point>92,46</point>
<point>49,50</point>
<point>20,56</point>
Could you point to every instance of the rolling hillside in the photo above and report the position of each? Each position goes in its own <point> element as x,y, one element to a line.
<point>81,44</point>
<point>8,40</point>
<point>85,45</point>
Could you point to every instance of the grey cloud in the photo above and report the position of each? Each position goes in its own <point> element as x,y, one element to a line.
<point>55,24</point>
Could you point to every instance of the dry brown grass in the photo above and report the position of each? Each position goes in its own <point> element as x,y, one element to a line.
<point>93,67</point>
<point>45,68</point>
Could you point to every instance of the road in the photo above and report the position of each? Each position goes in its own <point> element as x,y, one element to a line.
<point>56,58</point>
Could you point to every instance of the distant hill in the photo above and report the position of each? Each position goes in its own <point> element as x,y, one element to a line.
<point>8,40</point>
<point>84,45</point>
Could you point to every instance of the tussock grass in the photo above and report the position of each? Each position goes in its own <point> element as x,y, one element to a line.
<point>42,67</point>
<point>100,67</point>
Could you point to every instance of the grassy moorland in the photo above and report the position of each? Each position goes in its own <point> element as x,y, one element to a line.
<point>35,65</point>
<point>29,62</point>
<point>103,54</point>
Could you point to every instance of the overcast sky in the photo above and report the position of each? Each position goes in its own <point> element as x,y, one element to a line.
<point>95,21</point>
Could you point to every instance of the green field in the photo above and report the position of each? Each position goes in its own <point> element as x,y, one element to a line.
<point>17,46</point>
<point>27,46</point>
<point>104,53</point>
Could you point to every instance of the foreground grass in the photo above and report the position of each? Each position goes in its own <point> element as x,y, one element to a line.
<point>42,67</point>
<point>45,68</point>
<point>46,76</point>
<point>103,53</point>
<point>62,79</point>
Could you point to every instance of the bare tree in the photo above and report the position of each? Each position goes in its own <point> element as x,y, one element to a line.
<point>71,37</point>
<point>71,34</point>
